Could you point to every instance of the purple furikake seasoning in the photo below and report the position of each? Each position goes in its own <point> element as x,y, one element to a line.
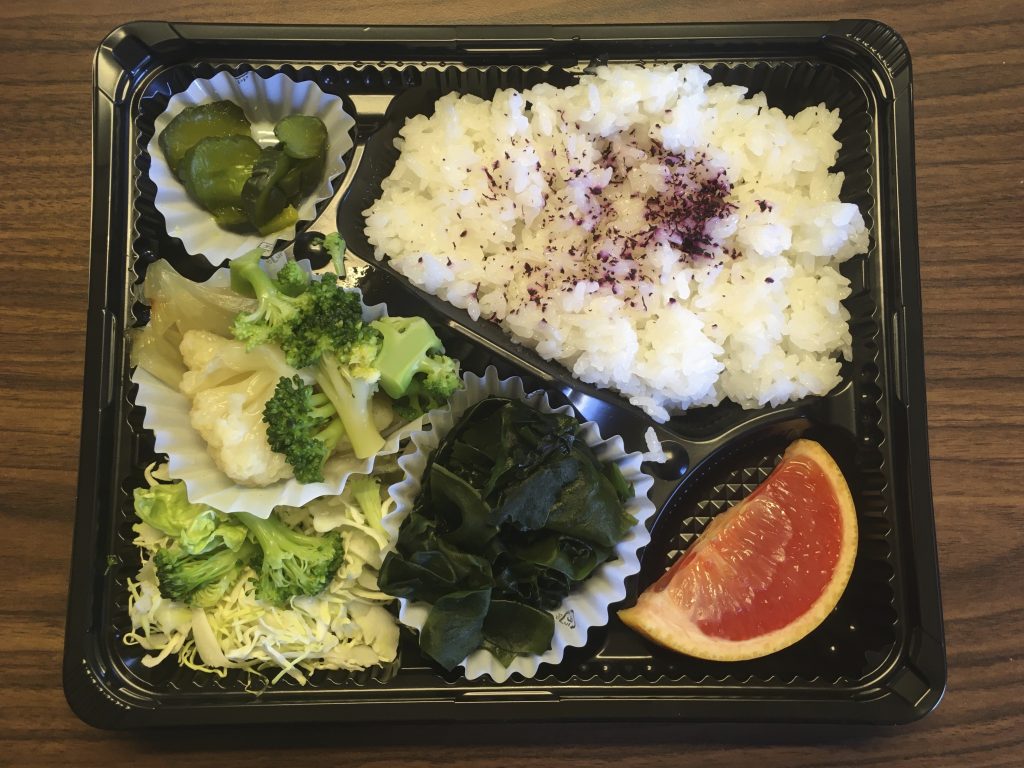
<point>693,194</point>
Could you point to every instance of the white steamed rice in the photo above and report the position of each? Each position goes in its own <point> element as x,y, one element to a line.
<point>673,241</point>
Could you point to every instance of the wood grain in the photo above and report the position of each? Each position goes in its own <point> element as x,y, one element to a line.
<point>969,90</point>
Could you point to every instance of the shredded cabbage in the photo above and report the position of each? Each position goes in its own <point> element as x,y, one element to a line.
<point>344,627</point>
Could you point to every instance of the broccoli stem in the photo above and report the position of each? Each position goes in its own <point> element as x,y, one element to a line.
<point>366,492</point>
<point>322,407</point>
<point>247,275</point>
<point>330,436</point>
<point>334,244</point>
<point>352,399</point>
<point>273,305</point>
<point>273,536</point>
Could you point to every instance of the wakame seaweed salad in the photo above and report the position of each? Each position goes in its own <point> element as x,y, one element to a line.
<point>515,509</point>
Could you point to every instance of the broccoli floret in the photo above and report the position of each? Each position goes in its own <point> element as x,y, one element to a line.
<point>411,366</point>
<point>330,334</point>
<point>407,410</point>
<point>275,307</point>
<point>427,393</point>
<point>201,580</point>
<point>331,321</point>
<point>292,279</point>
<point>304,426</point>
<point>323,327</point>
<point>294,564</point>
<point>440,378</point>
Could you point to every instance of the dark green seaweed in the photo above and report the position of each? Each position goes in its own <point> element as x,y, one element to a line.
<point>515,510</point>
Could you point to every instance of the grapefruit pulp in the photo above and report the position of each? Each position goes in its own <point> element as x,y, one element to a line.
<point>765,572</point>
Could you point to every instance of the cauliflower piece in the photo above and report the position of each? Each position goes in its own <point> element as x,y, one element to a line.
<point>236,437</point>
<point>229,387</point>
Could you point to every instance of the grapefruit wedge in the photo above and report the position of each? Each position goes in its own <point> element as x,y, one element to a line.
<point>765,572</point>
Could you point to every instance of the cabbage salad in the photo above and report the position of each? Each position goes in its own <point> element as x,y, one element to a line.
<point>294,593</point>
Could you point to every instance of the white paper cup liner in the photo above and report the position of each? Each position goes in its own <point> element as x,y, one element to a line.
<point>587,605</point>
<point>188,460</point>
<point>265,101</point>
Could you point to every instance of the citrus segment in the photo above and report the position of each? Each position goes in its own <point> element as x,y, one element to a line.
<point>765,572</point>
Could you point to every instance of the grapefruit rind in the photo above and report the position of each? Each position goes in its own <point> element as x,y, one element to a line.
<point>658,618</point>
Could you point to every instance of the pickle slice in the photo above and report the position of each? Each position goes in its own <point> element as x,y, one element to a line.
<point>303,178</point>
<point>230,217</point>
<point>262,199</point>
<point>303,136</point>
<point>215,170</point>
<point>193,124</point>
<point>285,218</point>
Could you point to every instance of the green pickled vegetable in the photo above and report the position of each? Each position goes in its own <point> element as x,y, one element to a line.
<point>230,217</point>
<point>288,216</point>
<point>211,150</point>
<point>262,199</point>
<point>193,124</point>
<point>303,178</point>
<point>304,137</point>
<point>215,171</point>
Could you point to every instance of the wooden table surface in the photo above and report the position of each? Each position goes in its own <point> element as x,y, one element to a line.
<point>969,90</point>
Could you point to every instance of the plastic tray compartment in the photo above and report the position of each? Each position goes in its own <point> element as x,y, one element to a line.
<point>879,658</point>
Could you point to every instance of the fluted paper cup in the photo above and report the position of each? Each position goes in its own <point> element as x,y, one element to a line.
<point>168,416</point>
<point>587,605</point>
<point>265,101</point>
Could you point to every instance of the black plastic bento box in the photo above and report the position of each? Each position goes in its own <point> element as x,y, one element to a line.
<point>878,658</point>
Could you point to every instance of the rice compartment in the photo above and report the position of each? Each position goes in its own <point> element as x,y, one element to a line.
<point>694,227</point>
